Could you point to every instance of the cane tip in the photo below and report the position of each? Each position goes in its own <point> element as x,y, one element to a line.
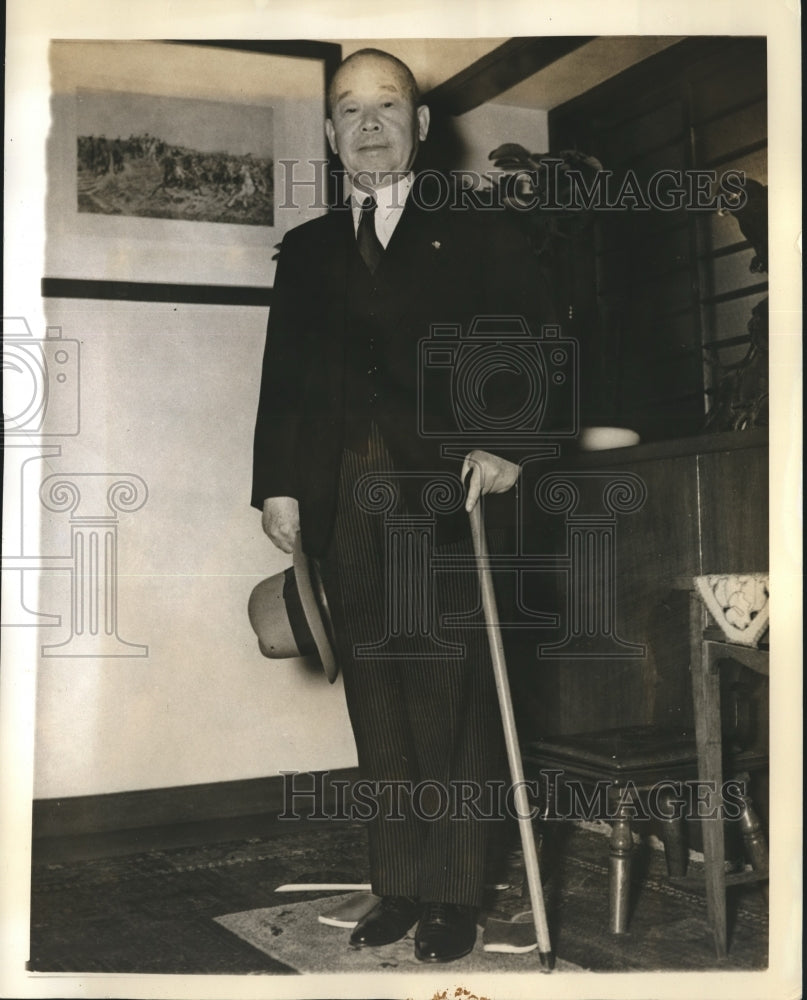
<point>547,960</point>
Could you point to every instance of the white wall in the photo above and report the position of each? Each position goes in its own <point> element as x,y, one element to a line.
<point>169,394</point>
<point>490,125</point>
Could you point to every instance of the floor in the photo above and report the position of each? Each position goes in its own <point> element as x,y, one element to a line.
<point>144,901</point>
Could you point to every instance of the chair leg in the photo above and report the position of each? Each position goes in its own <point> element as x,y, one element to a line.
<point>756,847</point>
<point>714,856</point>
<point>706,700</point>
<point>673,835</point>
<point>619,872</point>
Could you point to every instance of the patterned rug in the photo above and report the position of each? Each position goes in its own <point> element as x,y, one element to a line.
<point>292,934</point>
<point>145,907</point>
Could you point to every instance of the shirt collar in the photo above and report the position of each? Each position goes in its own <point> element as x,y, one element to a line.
<point>389,199</point>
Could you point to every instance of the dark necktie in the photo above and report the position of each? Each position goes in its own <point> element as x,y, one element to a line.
<point>368,243</point>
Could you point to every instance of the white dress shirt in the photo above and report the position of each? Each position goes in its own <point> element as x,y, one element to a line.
<point>390,200</point>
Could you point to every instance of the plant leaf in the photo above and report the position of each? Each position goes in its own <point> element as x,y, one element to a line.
<point>509,150</point>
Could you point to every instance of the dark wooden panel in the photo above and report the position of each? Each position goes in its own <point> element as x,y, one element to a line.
<point>734,505</point>
<point>662,377</point>
<point>655,297</point>
<point>663,419</point>
<point>669,157</point>
<point>90,814</point>
<point>659,254</point>
<point>508,64</point>
<point>724,135</point>
<point>655,546</point>
<point>700,510</point>
<point>151,291</point>
<point>733,86</point>
<point>656,128</point>
<point>671,337</point>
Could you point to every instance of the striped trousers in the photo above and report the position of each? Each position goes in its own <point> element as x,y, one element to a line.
<point>426,724</point>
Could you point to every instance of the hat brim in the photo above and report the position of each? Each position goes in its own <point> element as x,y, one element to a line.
<point>315,607</point>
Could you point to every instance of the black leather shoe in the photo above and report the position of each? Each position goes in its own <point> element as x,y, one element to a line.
<point>387,922</point>
<point>446,931</point>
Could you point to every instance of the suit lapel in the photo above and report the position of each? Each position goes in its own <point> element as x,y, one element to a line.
<point>421,234</point>
<point>332,253</point>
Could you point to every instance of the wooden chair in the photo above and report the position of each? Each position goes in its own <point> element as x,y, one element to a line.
<point>619,769</point>
<point>632,763</point>
<point>652,771</point>
<point>709,652</point>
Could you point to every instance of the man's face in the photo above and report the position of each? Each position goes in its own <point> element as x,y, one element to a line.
<point>375,128</point>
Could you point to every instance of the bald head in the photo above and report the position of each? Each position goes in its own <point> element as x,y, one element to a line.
<point>404,73</point>
<point>375,124</point>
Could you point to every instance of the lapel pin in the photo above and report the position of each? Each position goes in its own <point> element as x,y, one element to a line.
<point>436,244</point>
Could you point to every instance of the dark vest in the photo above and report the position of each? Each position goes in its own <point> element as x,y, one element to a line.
<point>372,391</point>
<point>367,333</point>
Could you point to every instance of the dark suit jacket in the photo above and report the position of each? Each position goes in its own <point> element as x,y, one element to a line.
<point>442,265</point>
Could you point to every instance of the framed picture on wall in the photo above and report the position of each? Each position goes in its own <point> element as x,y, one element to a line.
<point>181,164</point>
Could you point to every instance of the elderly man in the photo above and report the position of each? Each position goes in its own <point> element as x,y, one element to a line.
<point>356,293</point>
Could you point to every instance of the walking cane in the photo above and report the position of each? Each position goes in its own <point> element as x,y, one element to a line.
<point>511,737</point>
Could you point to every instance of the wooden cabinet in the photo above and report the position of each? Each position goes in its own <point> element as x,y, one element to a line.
<point>705,510</point>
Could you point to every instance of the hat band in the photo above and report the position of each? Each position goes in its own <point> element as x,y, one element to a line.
<point>296,615</point>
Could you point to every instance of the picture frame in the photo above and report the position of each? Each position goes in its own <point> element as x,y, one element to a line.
<point>231,112</point>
